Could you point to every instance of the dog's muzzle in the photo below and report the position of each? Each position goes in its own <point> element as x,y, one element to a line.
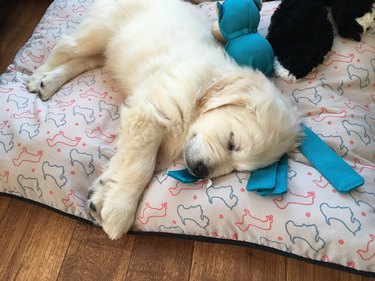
<point>194,159</point>
<point>199,169</point>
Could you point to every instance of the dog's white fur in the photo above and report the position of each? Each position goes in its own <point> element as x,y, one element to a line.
<point>183,91</point>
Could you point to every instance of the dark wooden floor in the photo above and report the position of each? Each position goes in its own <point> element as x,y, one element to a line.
<point>38,244</point>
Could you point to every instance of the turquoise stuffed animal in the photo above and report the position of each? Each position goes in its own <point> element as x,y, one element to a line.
<point>237,26</point>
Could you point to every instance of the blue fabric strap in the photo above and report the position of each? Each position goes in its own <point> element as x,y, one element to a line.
<point>263,179</point>
<point>281,179</point>
<point>336,171</point>
<point>183,176</point>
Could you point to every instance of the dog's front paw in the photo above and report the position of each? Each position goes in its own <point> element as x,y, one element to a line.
<point>118,212</point>
<point>112,205</point>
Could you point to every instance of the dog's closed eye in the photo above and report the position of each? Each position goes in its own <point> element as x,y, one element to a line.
<point>231,144</point>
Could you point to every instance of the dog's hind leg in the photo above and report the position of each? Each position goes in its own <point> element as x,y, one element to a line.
<point>91,38</point>
<point>50,81</point>
<point>82,49</point>
<point>114,197</point>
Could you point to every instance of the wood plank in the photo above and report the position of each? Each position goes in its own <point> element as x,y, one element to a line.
<point>4,202</point>
<point>17,22</point>
<point>160,258</point>
<point>299,270</point>
<point>33,242</point>
<point>93,256</point>
<point>13,228</point>
<point>229,262</point>
<point>50,235</point>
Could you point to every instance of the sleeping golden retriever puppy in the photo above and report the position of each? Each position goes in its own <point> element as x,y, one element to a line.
<point>184,95</point>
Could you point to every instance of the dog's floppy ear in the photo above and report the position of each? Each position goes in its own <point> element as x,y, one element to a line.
<point>229,91</point>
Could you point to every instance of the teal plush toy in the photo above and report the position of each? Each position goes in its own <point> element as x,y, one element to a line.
<point>237,27</point>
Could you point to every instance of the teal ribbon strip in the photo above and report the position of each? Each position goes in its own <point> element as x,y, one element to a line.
<point>336,171</point>
<point>263,179</point>
<point>183,176</point>
<point>281,179</point>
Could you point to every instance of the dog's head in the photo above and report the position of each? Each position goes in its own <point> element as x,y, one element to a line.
<point>244,124</point>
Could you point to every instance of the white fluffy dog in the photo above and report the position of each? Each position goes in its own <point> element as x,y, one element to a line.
<point>184,94</point>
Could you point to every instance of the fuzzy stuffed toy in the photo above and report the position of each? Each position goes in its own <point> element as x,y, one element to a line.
<point>301,33</point>
<point>353,17</point>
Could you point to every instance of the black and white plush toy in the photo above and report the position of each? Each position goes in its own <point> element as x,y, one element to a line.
<point>353,17</point>
<point>301,33</point>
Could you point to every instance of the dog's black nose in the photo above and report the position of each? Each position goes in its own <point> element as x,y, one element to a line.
<point>200,170</point>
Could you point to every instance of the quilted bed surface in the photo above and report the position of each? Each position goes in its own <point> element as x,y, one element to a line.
<point>51,151</point>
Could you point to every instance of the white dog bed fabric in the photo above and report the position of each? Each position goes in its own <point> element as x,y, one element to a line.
<point>50,153</point>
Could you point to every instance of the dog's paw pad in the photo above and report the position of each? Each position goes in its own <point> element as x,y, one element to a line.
<point>92,207</point>
<point>95,200</point>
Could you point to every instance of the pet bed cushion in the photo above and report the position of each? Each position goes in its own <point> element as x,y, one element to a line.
<point>50,152</point>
